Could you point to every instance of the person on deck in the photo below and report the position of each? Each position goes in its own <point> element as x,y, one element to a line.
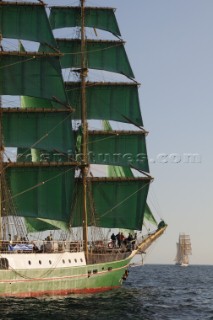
<point>113,238</point>
<point>118,237</point>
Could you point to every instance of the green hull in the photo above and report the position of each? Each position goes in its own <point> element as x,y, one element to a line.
<point>63,281</point>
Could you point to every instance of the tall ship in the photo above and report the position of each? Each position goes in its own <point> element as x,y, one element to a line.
<point>184,249</point>
<point>74,174</point>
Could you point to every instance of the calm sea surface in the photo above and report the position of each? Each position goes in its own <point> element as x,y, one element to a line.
<point>151,292</point>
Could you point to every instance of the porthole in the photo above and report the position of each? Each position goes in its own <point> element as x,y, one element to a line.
<point>29,262</point>
<point>63,261</point>
<point>39,261</point>
<point>50,262</point>
<point>69,261</point>
<point>75,260</point>
<point>81,260</point>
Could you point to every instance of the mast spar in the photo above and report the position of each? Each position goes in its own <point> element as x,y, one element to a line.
<point>84,167</point>
<point>1,157</point>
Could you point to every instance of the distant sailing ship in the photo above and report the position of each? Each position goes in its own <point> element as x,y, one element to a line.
<point>56,213</point>
<point>184,249</point>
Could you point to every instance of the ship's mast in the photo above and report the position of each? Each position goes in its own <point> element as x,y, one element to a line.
<point>1,170</point>
<point>84,128</point>
<point>1,160</point>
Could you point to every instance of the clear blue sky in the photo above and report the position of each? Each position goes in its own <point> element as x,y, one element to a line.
<point>170,47</point>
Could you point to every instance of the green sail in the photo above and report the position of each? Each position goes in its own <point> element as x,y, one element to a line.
<point>148,216</point>
<point>117,204</point>
<point>32,102</point>
<point>100,18</point>
<point>26,153</point>
<point>25,21</point>
<point>39,192</point>
<point>102,55</point>
<point>118,171</point>
<point>61,139</point>
<point>111,101</point>
<point>34,75</point>
<point>118,148</point>
<point>45,131</point>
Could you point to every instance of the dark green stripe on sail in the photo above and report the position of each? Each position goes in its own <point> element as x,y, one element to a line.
<point>25,21</point>
<point>48,131</point>
<point>31,75</point>
<point>112,101</point>
<point>42,192</point>
<point>100,18</point>
<point>102,55</point>
<point>119,148</point>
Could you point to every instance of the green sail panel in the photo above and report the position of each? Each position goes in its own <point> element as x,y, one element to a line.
<point>100,18</point>
<point>25,21</point>
<point>118,171</point>
<point>48,131</point>
<point>30,102</point>
<point>118,148</point>
<point>33,75</point>
<point>111,101</point>
<point>117,204</point>
<point>103,55</point>
<point>148,215</point>
<point>40,192</point>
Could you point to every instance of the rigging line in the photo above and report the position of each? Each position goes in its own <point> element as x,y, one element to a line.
<point>155,203</point>
<point>91,51</point>
<point>117,205</point>
<point>110,137</point>
<point>18,62</point>
<point>38,185</point>
<point>47,134</point>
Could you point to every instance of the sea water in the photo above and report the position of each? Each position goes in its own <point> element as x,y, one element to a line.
<point>151,292</point>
